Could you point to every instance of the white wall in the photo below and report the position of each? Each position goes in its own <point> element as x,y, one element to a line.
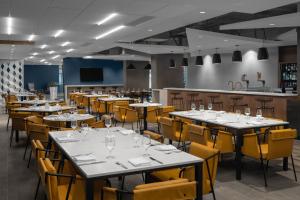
<point>216,76</point>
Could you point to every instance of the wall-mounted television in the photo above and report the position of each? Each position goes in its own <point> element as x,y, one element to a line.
<point>91,74</point>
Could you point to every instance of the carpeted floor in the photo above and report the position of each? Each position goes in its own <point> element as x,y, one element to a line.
<point>17,182</point>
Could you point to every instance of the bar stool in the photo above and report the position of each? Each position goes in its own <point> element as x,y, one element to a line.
<point>214,101</point>
<point>193,98</point>
<point>236,103</point>
<point>177,101</point>
<point>265,105</point>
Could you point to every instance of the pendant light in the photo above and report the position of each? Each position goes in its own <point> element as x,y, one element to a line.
<point>131,67</point>
<point>148,67</point>
<point>172,63</point>
<point>185,62</point>
<point>263,53</point>
<point>217,57</point>
<point>199,59</point>
<point>237,55</point>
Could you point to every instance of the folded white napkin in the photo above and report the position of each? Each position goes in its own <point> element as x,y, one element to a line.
<point>256,122</point>
<point>127,132</point>
<point>140,161</point>
<point>85,158</point>
<point>165,148</point>
<point>67,139</point>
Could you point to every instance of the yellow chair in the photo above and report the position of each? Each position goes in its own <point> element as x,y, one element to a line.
<point>154,136</point>
<point>209,171</point>
<point>224,142</point>
<point>153,116</point>
<point>198,134</point>
<point>35,131</point>
<point>173,130</point>
<point>78,101</point>
<point>280,145</point>
<point>165,110</point>
<point>59,190</point>
<point>180,189</point>
<point>119,114</point>
<point>122,103</point>
<point>17,124</point>
<point>130,116</point>
<point>10,109</point>
<point>97,124</point>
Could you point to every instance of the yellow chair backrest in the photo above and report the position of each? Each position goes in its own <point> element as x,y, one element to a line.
<point>166,110</point>
<point>130,115</point>
<point>34,119</point>
<point>280,143</point>
<point>37,131</point>
<point>119,113</point>
<point>122,103</point>
<point>210,165</point>
<point>18,120</point>
<point>85,101</point>
<point>95,106</point>
<point>198,134</point>
<point>224,142</point>
<point>168,128</point>
<point>180,189</point>
<point>153,115</point>
<point>154,136</point>
<point>49,183</point>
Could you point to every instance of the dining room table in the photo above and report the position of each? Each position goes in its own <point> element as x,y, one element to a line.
<point>36,102</point>
<point>237,124</point>
<point>145,105</point>
<point>93,96</point>
<point>112,100</point>
<point>68,118</point>
<point>44,110</point>
<point>94,160</point>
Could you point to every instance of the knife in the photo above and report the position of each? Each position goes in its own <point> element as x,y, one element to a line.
<point>122,165</point>
<point>91,163</point>
<point>151,158</point>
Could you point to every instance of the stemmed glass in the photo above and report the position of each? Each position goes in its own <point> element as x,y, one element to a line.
<point>110,143</point>
<point>259,114</point>
<point>146,144</point>
<point>247,112</point>
<point>193,106</point>
<point>209,106</point>
<point>107,123</point>
<point>136,137</point>
<point>238,114</point>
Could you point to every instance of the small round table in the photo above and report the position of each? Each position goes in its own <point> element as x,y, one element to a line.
<point>68,118</point>
<point>145,105</point>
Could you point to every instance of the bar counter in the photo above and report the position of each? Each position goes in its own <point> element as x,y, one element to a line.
<point>279,101</point>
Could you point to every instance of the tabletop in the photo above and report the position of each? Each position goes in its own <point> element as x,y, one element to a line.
<point>32,102</point>
<point>44,108</point>
<point>68,117</point>
<point>95,95</point>
<point>231,120</point>
<point>145,104</point>
<point>115,99</point>
<point>93,142</point>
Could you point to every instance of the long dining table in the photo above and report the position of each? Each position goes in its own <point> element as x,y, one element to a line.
<point>92,143</point>
<point>236,124</point>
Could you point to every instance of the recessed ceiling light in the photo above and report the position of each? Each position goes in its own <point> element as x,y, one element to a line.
<point>106,19</point>
<point>272,24</point>
<point>110,32</point>
<point>226,40</point>
<point>65,43</point>
<point>58,33</point>
<point>43,60</point>
<point>31,57</point>
<point>55,56</point>
<point>202,12</point>
<point>51,52</point>
<point>150,30</point>
<point>44,46</point>
<point>31,37</point>
<point>88,57</point>
<point>35,53</point>
<point>9,24</point>
<point>69,50</point>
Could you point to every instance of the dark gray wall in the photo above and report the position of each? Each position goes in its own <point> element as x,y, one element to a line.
<point>164,76</point>
<point>138,78</point>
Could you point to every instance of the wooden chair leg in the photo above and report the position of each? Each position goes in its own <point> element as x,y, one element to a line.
<point>264,170</point>
<point>294,168</point>
<point>37,189</point>
<point>11,137</point>
<point>7,124</point>
<point>27,144</point>
<point>29,159</point>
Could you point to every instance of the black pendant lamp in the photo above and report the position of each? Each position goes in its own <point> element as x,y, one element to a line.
<point>172,63</point>
<point>237,55</point>
<point>185,62</point>
<point>263,53</point>
<point>148,67</point>
<point>131,67</point>
<point>199,60</point>
<point>216,57</point>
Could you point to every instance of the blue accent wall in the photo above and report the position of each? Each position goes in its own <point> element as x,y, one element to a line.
<point>112,71</point>
<point>40,75</point>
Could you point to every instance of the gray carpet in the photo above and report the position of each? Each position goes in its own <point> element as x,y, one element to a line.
<point>17,182</point>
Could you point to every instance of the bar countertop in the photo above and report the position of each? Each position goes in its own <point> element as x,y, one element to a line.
<point>235,92</point>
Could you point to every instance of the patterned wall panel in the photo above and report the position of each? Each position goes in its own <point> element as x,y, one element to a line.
<point>11,75</point>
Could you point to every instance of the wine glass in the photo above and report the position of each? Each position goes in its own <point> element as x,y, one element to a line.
<point>210,106</point>
<point>136,137</point>
<point>247,112</point>
<point>238,114</point>
<point>193,106</point>
<point>74,124</point>
<point>201,108</point>
<point>110,143</point>
<point>146,142</point>
<point>259,114</point>
<point>107,123</point>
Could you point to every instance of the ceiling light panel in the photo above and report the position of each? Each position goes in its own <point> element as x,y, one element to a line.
<point>31,37</point>
<point>69,50</point>
<point>65,44</point>
<point>58,33</point>
<point>110,32</point>
<point>54,57</point>
<point>107,18</point>
<point>9,24</point>
<point>44,46</point>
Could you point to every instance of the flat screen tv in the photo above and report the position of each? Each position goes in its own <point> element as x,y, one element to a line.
<point>91,74</point>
